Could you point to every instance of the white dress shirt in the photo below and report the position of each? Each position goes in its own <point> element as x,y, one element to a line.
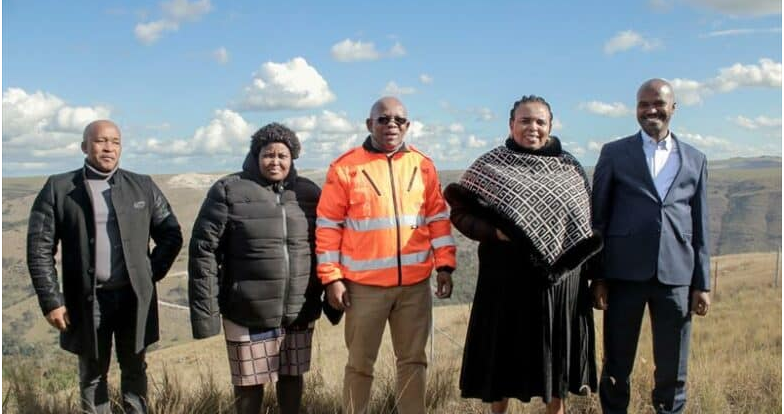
<point>663,161</point>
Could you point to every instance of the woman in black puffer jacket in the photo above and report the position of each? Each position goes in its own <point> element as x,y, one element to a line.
<point>252,260</point>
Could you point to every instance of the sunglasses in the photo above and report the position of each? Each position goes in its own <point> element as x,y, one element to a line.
<point>399,120</point>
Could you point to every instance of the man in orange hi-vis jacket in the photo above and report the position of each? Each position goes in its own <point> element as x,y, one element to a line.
<point>382,227</point>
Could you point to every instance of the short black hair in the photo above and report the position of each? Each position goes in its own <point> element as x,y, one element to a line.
<point>530,98</point>
<point>275,132</point>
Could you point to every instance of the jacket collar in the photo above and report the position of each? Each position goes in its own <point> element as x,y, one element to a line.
<point>368,146</point>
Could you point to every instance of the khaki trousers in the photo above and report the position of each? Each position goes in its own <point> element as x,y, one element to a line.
<point>408,310</point>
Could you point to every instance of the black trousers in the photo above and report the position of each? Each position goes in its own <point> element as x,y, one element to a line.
<point>671,328</point>
<point>115,316</point>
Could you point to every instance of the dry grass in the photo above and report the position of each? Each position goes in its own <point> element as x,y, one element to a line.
<point>735,364</point>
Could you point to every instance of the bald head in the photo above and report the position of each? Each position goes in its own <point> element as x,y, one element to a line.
<point>387,124</point>
<point>90,129</point>
<point>659,85</point>
<point>655,106</point>
<point>386,102</point>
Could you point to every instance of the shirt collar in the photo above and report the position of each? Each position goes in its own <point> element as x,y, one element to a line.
<point>667,143</point>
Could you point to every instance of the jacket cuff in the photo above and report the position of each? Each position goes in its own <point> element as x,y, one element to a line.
<point>205,328</point>
<point>449,269</point>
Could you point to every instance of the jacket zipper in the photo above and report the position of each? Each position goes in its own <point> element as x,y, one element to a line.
<point>285,250</point>
<point>397,221</point>
<point>371,182</point>
<point>411,182</point>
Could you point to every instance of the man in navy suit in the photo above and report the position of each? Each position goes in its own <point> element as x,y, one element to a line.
<point>650,205</point>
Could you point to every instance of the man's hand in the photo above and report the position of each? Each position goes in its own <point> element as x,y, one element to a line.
<point>444,279</point>
<point>58,318</point>
<point>337,295</point>
<point>599,289</point>
<point>500,235</point>
<point>700,302</point>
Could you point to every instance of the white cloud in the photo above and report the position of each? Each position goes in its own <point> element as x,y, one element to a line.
<point>474,142</point>
<point>660,6</point>
<point>687,91</point>
<point>393,89</point>
<point>397,50</point>
<point>483,114</point>
<point>574,148</point>
<point>425,79</point>
<point>629,39</point>
<point>741,8</point>
<point>615,109</point>
<point>175,12</point>
<point>718,147</point>
<point>41,113</point>
<point>739,32</point>
<point>149,33</point>
<point>456,128</point>
<point>557,124</point>
<point>289,85</point>
<point>221,55</point>
<point>226,133</point>
<point>327,122</point>
<point>595,146</point>
<point>756,123</point>
<point>183,10</point>
<point>75,119</point>
<point>767,74</point>
<point>349,50</point>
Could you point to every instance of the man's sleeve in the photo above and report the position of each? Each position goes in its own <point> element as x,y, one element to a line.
<point>165,231</point>
<point>42,239</point>
<point>437,220</point>
<point>330,221</point>
<point>699,213</point>
<point>601,207</point>
<point>204,260</point>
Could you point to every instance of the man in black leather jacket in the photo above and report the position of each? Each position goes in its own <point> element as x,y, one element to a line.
<point>103,217</point>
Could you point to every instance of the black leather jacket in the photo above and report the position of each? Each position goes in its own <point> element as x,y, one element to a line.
<point>62,213</point>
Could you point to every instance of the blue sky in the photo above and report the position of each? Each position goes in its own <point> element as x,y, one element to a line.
<point>189,81</point>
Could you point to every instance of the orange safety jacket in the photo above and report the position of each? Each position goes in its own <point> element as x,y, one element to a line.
<point>382,220</point>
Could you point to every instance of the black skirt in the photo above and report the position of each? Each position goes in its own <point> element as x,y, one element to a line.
<point>527,338</point>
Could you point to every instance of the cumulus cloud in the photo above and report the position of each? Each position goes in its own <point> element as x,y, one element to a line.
<point>557,124</point>
<point>425,79</point>
<point>614,110</point>
<point>349,50</point>
<point>39,113</point>
<point>227,133</point>
<point>175,12</point>
<point>221,55</point>
<point>741,8</point>
<point>327,134</point>
<point>756,123</point>
<point>393,89</point>
<point>289,85</point>
<point>629,39</point>
<point>766,74</point>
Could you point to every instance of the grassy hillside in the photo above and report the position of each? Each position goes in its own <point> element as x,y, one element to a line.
<point>745,216</point>
<point>735,364</point>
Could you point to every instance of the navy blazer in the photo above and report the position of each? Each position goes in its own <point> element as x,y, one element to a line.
<point>645,236</point>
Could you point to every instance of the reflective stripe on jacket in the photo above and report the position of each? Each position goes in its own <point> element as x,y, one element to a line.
<point>382,220</point>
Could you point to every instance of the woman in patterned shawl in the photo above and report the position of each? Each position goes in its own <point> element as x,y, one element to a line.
<point>531,332</point>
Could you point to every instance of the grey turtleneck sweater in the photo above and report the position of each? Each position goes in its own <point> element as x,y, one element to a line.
<point>110,271</point>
